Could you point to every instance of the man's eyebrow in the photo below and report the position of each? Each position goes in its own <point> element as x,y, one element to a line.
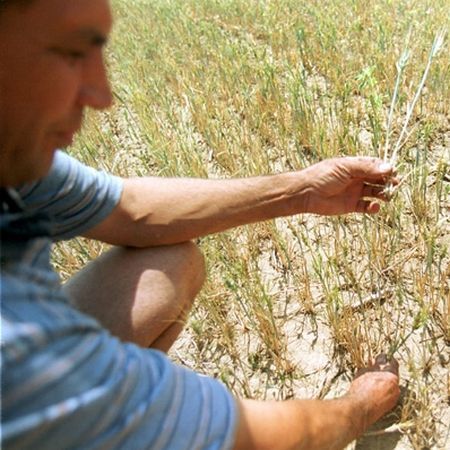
<point>90,36</point>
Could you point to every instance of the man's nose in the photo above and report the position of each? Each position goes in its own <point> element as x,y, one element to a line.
<point>95,91</point>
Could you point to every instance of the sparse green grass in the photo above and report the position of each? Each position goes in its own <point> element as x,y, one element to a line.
<point>235,88</point>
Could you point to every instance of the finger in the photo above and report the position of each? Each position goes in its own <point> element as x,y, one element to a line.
<point>382,182</point>
<point>379,194</point>
<point>381,359</point>
<point>367,206</point>
<point>378,190</point>
<point>373,191</point>
<point>383,364</point>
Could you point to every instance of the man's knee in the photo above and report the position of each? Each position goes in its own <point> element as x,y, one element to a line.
<point>192,269</point>
<point>183,264</point>
<point>142,286</point>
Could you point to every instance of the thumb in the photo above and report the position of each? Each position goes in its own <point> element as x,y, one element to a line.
<point>369,168</point>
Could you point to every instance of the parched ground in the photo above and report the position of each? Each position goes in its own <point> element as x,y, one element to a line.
<point>313,336</point>
<point>294,306</point>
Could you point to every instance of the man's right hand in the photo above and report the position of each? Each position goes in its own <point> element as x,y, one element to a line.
<point>346,185</point>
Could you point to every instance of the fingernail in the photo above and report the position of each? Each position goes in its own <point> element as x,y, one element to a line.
<point>385,167</point>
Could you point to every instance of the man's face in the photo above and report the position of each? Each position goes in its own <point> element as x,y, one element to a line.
<point>51,68</point>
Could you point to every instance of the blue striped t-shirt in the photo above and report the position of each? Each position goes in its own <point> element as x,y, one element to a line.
<point>66,383</point>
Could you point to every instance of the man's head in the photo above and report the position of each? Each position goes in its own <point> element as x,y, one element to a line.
<point>51,69</point>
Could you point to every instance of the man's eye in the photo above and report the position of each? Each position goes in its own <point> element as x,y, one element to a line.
<point>75,55</point>
<point>71,55</point>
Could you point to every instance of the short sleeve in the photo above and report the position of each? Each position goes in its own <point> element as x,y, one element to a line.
<point>69,384</point>
<point>75,197</point>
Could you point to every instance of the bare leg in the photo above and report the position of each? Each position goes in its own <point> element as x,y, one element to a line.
<point>141,295</point>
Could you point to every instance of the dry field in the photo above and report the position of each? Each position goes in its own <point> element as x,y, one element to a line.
<point>292,307</point>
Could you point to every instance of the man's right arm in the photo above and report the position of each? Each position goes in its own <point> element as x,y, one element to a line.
<point>163,211</point>
<point>316,424</point>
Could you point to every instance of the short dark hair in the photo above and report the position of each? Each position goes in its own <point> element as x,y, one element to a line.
<point>14,2</point>
<point>5,3</point>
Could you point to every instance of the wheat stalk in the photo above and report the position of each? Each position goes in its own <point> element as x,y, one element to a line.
<point>400,66</point>
<point>438,42</point>
<point>437,45</point>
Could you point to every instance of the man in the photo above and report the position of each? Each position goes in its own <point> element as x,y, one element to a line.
<point>84,377</point>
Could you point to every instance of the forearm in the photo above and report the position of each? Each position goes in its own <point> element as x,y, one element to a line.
<point>300,424</point>
<point>159,211</point>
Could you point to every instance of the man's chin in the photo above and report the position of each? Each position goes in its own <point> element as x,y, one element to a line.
<point>25,164</point>
<point>64,139</point>
<point>39,170</point>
